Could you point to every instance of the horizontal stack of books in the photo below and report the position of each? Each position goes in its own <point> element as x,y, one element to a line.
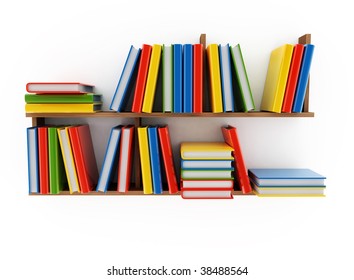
<point>287,78</point>
<point>286,182</point>
<point>61,158</point>
<point>207,170</point>
<point>61,98</point>
<point>181,81</point>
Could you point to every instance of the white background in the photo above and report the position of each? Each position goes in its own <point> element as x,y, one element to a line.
<point>80,237</point>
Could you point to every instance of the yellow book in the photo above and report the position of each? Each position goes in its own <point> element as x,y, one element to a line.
<point>145,159</point>
<point>63,108</point>
<point>277,77</point>
<point>68,158</point>
<point>151,79</point>
<point>214,77</point>
<point>206,150</point>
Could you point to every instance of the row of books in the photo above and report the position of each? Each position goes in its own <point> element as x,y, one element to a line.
<point>181,69</point>
<point>287,182</point>
<point>52,97</point>
<point>207,170</point>
<point>60,158</point>
<point>287,78</point>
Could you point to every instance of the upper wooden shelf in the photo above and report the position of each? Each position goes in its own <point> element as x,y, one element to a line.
<point>111,114</point>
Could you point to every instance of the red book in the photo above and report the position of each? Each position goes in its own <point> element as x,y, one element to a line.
<point>167,157</point>
<point>141,78</point>
<point>59,88</point>
<point>43,160</point>
<point>84,157</point>
<point>198,53</point>
<point>292,78</point>
<point>125,158</point>
<point>231,138</point>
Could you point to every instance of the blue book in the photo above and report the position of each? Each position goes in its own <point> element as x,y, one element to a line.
<point>285,177</point>
<point>188,78</point>
<point>155,160</point>
<point>177,78</point>
<point>125,79</point>
<point>110,160</point>
<point>226,78</point>
<point>33,159</point>
<point>303,78</point>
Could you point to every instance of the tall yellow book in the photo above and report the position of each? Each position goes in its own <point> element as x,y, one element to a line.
<point>206,150</point>
<point>68,158</point>
<point>151,79</point>
<point>145,159</point>
<point>215,79</point>
<point>63,108</point>
<point>277,77</point>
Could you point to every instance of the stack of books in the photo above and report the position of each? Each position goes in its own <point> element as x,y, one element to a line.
<point>206,170</point>
<point>61,98</point>
<point>286,182</point>
<point>61,158</point>
<point>287,78</point>
<point>178,85</point>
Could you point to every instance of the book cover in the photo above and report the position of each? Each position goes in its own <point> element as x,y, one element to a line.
<point>125,79</point>
<point>225,76</point>
<point>125,158</point>
<point>213,174</point>
<point>33,160</point>
<point>85,159</point>
<point>144,153</point>
<point>303,78</point>
<point>63,98</point>
<point>286,177</point>
<point>167,156</point>
<point>241,85</point>
<point>110,160</point>
<point>206,150</point>
<point>60,88</point>
<point>63,108</point>
<point>207,164</point>
<point>167,79</point>
<point>214,78</point>
<point>151,81</point>
<point>155,159</point>
<point>198,59</point>
<point>212,184</point>
<point>187,78</point>
<point>43,160</point>
<point>57,178</point>
<point>68,158</point>
<point>141,78</point>
<point>231,138</point>
<point>206,193</point>
<point>292,78</point>
<point>277,76</point>
<point>177,78</point>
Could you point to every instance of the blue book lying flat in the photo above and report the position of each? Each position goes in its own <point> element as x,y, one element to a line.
<point>285,177</point>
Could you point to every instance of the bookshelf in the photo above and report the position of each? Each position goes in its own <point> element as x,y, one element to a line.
<point>39,119</point>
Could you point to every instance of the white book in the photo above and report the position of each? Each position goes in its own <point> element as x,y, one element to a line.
<point>225,75</point>
<point>33,160</point>
<point>167,78</point>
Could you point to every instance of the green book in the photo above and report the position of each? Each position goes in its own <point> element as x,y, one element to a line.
<point>57,176</point>
<point>63,98</point>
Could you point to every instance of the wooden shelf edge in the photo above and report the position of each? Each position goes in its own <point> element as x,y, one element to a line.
<point>114,193</point>
<point>109,114</point>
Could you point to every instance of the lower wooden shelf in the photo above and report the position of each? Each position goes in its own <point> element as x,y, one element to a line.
<point>133,192</point>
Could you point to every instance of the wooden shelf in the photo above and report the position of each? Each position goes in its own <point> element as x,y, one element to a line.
<point>133,192</point>
<point>111,114</point>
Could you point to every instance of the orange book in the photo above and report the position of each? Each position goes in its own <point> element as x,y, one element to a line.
<point>43,160</point>
<point>292,78</point>
<point>198,56</point>
<point>230,136</point>
<point>167,157</point>
<point>84,157</point>
<point>141,78</point>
